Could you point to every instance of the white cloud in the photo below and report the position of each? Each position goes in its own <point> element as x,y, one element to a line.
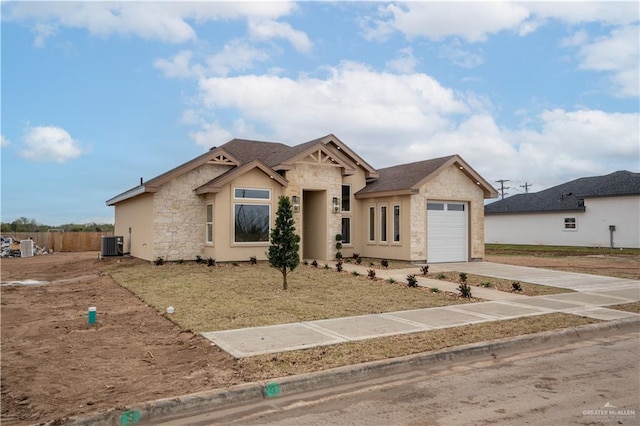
<point>405,63</point>
<point>437,20</point>
<point>236,55</point>
<point>165,21</point>
<point>178,66</point>
<point>211,135</point>
<point>619,54</point>
<point>268,29</point>
<point>464,58</point>
<point>4,141</point>
<point>50,143</point>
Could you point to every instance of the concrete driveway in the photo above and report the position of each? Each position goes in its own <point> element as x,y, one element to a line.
<point>592,295</point>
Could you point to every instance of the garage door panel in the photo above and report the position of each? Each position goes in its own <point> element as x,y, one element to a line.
<point>447,232</point>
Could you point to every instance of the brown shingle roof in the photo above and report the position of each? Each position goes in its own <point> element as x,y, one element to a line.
<point>404,176</point>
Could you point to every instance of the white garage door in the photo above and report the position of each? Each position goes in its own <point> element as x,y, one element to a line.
<point>447,233</point>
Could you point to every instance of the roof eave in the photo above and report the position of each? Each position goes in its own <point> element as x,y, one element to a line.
<point>388,193</point>
<point>133,192</point>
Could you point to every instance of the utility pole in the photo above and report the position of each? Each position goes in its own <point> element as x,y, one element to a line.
<point>526,187</point>
<point>502,187</point>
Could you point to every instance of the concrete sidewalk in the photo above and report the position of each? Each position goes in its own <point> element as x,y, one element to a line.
<point>593,294</point>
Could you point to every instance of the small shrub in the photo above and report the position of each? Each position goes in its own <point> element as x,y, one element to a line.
<point>384,263</point>
<point>371,273</point>
<point>355,273</point>
<point>199,259</point>
<point>234,264</point>
<point>314,263</point>
<point>211,262</point>
<point>338,237</point>
<point>339,267</point>
<point>355,256</point>
<point>338,255</point>
<point>515,286</point>
<point>441,276</point>
<point>371,264</point>
<point>463,278</point>
<point>339,246</point>
<point>486,284</point>
<point>159,261</point>
<point>253,260</point>
<point>391,280</point>
<point>435,290</point>
<point>358,261</point>
<point>181,261</point>
<point>412,281</point>
<point>465,290</point>
<point>305,262</point>
<point>325,266</point>
<point>424,269</point>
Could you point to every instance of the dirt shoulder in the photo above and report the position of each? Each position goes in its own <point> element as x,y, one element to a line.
<point>55,365</point>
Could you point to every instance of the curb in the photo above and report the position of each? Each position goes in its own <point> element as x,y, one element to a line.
<point>258,391</point>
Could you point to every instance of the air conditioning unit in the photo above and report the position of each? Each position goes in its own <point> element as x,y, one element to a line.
<point>111,246</point>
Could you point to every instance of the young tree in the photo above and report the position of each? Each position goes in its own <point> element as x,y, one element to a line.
<point>283,252</point>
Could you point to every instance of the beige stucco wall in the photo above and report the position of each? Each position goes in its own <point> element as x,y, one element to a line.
<point>224,249</point>
<point>179,215</point>
<point>449,185</point>
<point>388,249</point>
<point>135,214</point>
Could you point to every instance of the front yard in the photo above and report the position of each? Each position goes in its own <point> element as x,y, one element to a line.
<point>227,296</point>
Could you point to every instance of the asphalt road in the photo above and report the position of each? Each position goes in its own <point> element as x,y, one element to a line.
<point>585,383</point>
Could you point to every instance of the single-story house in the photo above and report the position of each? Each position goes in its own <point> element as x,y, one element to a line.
<point>222,204</point>
<point>597,211</point>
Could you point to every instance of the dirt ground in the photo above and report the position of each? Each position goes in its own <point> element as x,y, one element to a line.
<point>55,365</point>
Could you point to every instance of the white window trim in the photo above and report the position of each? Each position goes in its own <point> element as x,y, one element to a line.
<point>350,209</point>
<point>384,223</point>
<point>251,199</point>
<point>207,223</point>
<point>369,240</point>
<point>393,237</point>
<point>233,226</point>
<point>564,223</point>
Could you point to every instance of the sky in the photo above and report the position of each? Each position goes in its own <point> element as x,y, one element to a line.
<point>96,95</point>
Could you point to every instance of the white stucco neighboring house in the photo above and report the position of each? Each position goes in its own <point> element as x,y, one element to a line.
<point>597,211</point>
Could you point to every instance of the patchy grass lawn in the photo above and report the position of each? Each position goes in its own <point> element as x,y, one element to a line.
<point>628,307</point>
<point>264,367</point>
<point>528,289</point>
<point>228,297</point>
<point>539,250</point>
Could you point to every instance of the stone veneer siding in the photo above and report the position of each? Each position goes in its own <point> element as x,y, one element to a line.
<point>319,177</point>
<point>449,185</point>
<point>179,214</point>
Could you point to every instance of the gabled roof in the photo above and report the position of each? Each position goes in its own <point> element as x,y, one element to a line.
<point>272,157</point>
<point>215,185</point>
<point>408,178</point>
<point>569,196</point>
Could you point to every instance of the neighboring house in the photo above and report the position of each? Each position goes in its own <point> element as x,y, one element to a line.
<point>597,211</point>
<point>222,204</point>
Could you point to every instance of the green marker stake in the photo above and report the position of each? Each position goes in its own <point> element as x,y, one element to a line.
<point>272,389</point>
<point>92,315</point>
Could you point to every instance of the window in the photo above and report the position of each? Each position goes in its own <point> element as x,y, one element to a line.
<point>570,224</point>
<point>251,223</point>
<point>372,223</point>
<point>396,223</point>
<point>346,230</point>
<point>346,198</point>
<point>209,223</point>
<point>455,207</point>
<point>383,224</point>
<point>250,193</point>
<point>435,206</point>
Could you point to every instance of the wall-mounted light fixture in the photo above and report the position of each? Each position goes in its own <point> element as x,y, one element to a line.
<point>295,201</point>
<point>336,205</point>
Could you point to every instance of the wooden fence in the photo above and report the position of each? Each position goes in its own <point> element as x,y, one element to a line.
<point>62,241</point>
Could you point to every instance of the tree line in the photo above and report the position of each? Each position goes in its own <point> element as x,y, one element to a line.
<point>23,224</point>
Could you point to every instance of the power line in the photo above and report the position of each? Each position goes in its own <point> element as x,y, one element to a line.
<point>526,187</point>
